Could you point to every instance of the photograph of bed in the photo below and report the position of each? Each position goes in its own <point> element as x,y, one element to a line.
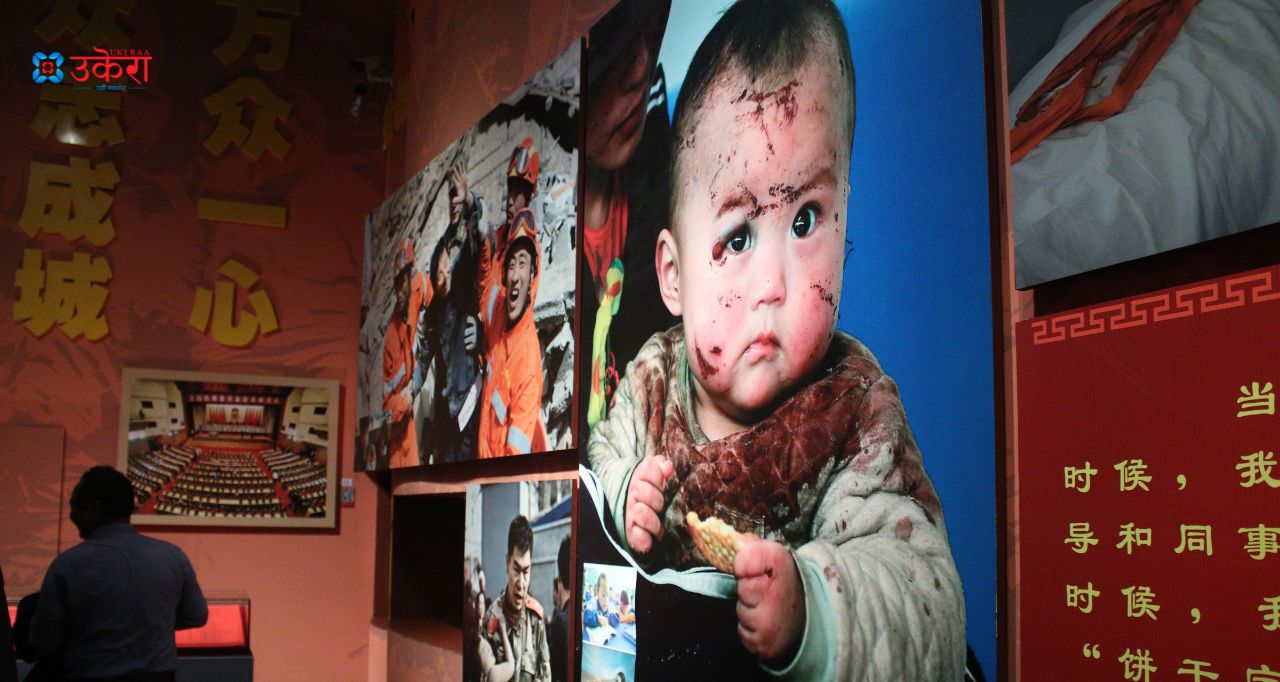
<point>1193,155</point>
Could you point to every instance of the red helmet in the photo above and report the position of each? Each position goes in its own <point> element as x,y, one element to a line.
<point>524,163</point>
<point>404,256</point>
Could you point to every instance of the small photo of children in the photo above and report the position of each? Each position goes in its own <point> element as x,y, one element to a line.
<point>761,401</point>
<point>608,622</point>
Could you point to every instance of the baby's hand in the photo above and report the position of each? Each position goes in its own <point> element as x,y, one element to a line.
<point>645,502</point>
<point>770,599</point>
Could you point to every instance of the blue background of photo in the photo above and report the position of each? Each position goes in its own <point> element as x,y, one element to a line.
<point>917,286</point>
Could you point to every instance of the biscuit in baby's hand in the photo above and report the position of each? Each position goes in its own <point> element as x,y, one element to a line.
<point>718,542</point>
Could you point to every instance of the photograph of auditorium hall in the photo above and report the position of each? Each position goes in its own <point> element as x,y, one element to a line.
<point>228,450</point>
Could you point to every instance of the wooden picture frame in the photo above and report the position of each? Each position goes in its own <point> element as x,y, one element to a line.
<point>212,449</point>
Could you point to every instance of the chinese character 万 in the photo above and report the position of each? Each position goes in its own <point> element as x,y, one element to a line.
<point>1133,475</point>
<point>99,30</point>
<point>1261,541</point>
<point>220,305</point>
<point>1255,399</point>
<point>1198,670</point>
<point>1195,538</point>
<point>76,118</point>
<point>1140,601</point>
<point>1078,534</point>
<point>70,293</point>
<point>250,22</point>
<point>72,200</point>
<point>228,105</point>
<point>1081,597</point>
<point>1137,665</point>
<point>1131,537</point>
<point>1263,674</point>
<point>1256,468</point>
<point>1079,478</point>
<point>1270,610</point>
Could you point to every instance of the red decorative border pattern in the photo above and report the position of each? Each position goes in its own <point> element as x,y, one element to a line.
<point>1207,297</point>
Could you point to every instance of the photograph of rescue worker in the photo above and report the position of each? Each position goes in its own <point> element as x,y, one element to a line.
<point>470,288</point>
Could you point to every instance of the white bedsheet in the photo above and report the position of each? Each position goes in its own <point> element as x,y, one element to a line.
<point>1194,156</point>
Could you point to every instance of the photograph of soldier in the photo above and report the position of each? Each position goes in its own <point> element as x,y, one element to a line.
<point>515,532</point>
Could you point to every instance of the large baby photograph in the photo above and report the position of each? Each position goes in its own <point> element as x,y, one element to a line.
<point>788,385</point>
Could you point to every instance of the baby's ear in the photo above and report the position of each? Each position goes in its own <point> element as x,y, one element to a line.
<point>667,261</point>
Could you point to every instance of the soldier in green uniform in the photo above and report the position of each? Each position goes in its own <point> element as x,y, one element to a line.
<point>514,644</point>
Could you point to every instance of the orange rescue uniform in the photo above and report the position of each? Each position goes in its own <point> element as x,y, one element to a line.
<point>398,357</point>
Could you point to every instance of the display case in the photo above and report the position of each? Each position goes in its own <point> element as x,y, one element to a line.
<point>216,652</point>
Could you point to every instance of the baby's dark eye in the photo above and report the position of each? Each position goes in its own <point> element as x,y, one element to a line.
<point>804,221</point>
<point>739,240</point>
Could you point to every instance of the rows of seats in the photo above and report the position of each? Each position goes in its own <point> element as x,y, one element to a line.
<point>223,483</point>
<point>305,480</point>
<point>152,471</point>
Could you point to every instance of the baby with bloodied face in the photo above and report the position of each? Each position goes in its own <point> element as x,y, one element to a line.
<point>755,410</point>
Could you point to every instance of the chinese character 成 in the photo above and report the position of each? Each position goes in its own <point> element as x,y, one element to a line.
<point>1078,534</point>
<point>1140,601</point>
<point>72,200</point>
<point>1256,468</point>
<point>1133,475</point>
<point>1256,399</point>
<point>1079,478</point>
<point>1195,538</point>
<point>1138,665</point>
<point>1081,597</point>
<point>1131,537</point>
<point>70,294</point>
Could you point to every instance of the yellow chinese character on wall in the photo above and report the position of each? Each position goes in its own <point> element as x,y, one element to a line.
<point>1195,538</point>
<point>1138,665</point>
<point>220,306</point>
<point>250,22</point>
<point>1078,534</point>
<point>70,294</point>
<point>1261,541</point>
<point>1081,598</point>
<point>1140,601</point>
<point>1131,537</point>
<point>1270,610</point>
<point>1255,399</point>
<point>75,116</point>
<point>1133,475</point>
<point>1197,670</point>
<point>228,105</point>
<point>99,30</point>
<point>72,200</point>
<point>1256,468</point>
<point>1263,674</point>
<point>1079,478</point>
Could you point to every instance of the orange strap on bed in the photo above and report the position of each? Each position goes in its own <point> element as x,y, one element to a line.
<point>1059,101</point>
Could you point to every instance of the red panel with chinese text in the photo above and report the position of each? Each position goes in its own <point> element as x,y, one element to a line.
<point>1148,486</point>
